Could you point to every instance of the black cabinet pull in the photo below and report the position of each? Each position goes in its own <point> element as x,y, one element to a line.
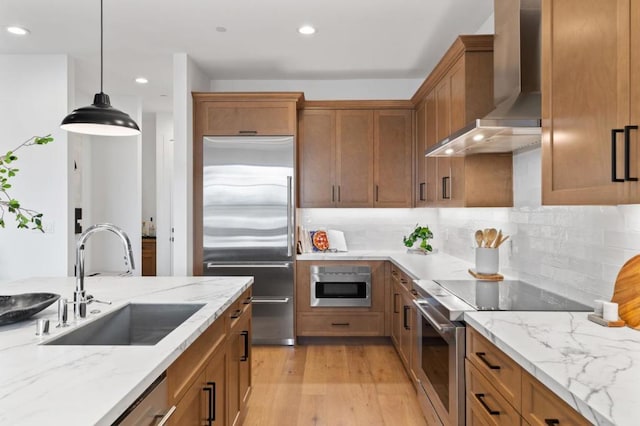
<point>614,166</point>
<point>245,335</point>
<point>552,422</point>
<point>406,317</point>
<point>395,303</point>
<point>422,198</point>
<point>236,314</point>
<point>248,132</point>
<point>340,324</point>
<point>212,410</point>
<point>445,194</point>
<point>376,193</point>
<point>247,301</point>
<point>482,355</point>
<point>480,397</point>
<point>209,399</point>
<point>627,153</point>
<point>333,193</point>
<point>339,193</point>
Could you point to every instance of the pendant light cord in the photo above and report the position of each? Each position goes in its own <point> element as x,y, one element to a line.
<point>101,49</point>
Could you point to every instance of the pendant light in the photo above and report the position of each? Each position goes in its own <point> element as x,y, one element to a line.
<point>100,118</point>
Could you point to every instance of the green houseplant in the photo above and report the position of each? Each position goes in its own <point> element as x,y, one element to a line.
<point>419,233</point>
<point>25,218</point>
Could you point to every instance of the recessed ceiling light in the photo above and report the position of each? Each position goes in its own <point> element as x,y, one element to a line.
<point>141,80</point>
<point>221,29</point>
<point>448,151</point>
<point>18,31</point>
<point>306,30</point>
<point>478,138</point>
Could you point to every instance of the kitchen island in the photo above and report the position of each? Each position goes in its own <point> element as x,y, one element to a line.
<point>86,385</point>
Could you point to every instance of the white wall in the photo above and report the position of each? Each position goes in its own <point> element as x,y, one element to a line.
<point>187,77</point>
<point>112,191</point>
<point>326,89</point>
<point>34,98</point>
<point>148,166</point>
<point>164,190</point>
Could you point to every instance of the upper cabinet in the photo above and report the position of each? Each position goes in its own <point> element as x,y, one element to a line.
<point>246,114</point>
<point>458,91</point>
<point>590,101</point>
<point>352,154</point>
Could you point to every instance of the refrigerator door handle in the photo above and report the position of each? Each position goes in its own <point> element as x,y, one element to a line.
<point>248,265</point>
<point>289,215</point>
<point>276,300</point>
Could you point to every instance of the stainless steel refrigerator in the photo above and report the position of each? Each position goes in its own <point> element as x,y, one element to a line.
<point>248,224</point>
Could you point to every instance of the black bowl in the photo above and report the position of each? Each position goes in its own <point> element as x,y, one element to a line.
<point>19,307</point>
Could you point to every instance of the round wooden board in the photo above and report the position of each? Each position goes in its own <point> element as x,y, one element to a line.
<point>626,292</point>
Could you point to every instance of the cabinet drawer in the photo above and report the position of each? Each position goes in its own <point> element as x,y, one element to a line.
<point>502,371</point>
<point>485,405</point>
<point>185,369</point>
<point>239,307</point>
<point>350,324</point>
<point>541,407</point>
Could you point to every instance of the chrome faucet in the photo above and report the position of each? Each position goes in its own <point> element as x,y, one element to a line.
<point>80,297</point>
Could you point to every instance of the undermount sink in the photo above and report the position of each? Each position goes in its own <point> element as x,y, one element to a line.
<point>135,324</point>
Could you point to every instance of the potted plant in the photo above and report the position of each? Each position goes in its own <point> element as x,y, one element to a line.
<point>419,233</point>
<point>26,218</point>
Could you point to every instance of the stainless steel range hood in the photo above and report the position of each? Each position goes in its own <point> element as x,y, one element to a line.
<point>515,123</point>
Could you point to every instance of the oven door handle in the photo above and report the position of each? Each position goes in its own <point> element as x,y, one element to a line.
<point>422,307</point>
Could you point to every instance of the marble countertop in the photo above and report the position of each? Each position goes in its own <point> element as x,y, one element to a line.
<point>595,369</point>
<point>93,385</point>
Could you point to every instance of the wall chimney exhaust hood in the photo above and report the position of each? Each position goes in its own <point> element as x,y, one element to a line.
<point>515,123</point>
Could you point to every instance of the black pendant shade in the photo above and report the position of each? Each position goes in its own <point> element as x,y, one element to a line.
<point>100,118</point>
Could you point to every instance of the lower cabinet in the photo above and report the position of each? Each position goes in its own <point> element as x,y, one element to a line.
<point>403,319</point>
<point>209,383</point>
<point>500,392</point>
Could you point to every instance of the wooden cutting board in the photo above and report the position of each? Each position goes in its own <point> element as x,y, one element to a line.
<point>626,292</point>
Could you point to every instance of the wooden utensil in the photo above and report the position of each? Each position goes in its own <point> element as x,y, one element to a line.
<point>499,243</point>
<point>496,243</point>
<point>626,292</point>
<point>492,234</point>
<point>479,237</point>
<point>485,235</point>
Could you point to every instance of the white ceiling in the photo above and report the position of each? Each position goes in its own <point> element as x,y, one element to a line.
<point>374,39</point>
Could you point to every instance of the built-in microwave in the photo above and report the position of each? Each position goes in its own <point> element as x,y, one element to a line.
<point>340,286</point>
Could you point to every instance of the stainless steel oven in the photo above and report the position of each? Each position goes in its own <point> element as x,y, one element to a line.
<point>340,286</point>
<point>440,366</point>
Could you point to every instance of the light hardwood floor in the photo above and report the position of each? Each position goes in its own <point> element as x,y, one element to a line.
<point>334,384</point>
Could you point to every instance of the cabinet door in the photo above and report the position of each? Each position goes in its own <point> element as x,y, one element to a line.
<point>584,88</point>
<point>443,129</point>
<point>408,320</point>
<point>215,379</point>
<point>354,150</point>
<point>431,175</point>
<point>192,408</point>
<point>396,313</point>
<point>420,195</point>
<point>392,154</point>
<point>239,371</point>
<point>317,159</point>
<point>634,99</point>
<point>249,118</point>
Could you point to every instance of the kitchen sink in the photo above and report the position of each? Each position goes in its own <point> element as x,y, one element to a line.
<point>135,324</point>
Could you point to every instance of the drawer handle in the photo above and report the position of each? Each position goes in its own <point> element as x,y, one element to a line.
<point>247,301</point>
<point>236,314</point>
<point>340,324</point>
<point>552,422</point>
<point>614,166</point>
<point>248,132</point>
<point>627,153</point>
<point>482,355</point>
<point>245,336</point>
<point>480,397</point>
<point>405,319</point>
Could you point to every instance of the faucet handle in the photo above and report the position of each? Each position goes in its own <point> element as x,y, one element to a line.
<point>63,312</point>
<point>91,299</point>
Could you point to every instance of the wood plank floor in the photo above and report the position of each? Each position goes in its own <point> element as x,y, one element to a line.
<point>330,384</point>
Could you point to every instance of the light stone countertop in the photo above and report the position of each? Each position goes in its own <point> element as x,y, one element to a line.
<point>87,385</point>
<point>595,369</point>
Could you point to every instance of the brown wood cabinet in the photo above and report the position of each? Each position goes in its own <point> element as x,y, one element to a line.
<point>235,114</point>
<point>355,154</point>
<point>148,257</point>
<point>500,392</point>
<point>210,382</point>
<point>403,327</point>
<point>459,90</point>
<point>347,321</point>
<point>590,77</point>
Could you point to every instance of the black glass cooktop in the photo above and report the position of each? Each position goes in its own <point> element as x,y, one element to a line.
<point>510,295</point>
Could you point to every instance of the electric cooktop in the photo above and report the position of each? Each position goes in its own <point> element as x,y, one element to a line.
<point>509,295</point>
